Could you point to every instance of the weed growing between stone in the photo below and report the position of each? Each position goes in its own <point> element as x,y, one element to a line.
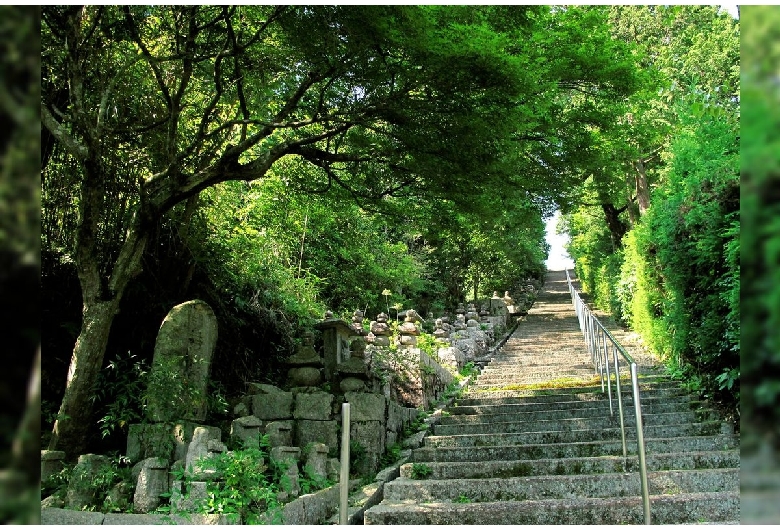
<point>420,471</point>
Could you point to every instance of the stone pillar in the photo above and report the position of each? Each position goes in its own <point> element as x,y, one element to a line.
<point>357,322</point>
<point>353,373</point>
<point>280,433</point>
<point>178,381</point>
<point>52,462</point>
<point>316,455</point>
<point>270,402</point>
<point>199,449</point>
<point>440,333</point>
<point>472,317</point>
<point>460,322</point>
<point>335,344</point>
<point>509,302</point>
<point>288,458</point>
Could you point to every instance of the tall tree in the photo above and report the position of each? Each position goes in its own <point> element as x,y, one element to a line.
<point>145,107</point>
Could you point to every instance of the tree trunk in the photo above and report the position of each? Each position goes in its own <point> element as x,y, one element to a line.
<point>617,228</point>
<point>100,304</point>
<point>74,417</point>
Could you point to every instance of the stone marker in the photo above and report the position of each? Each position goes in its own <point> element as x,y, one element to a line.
<point>81,488</point>
<point>178,383</point>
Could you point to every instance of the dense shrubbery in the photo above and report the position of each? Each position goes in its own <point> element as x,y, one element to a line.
<point>683,257</point>
<point>676,279</point>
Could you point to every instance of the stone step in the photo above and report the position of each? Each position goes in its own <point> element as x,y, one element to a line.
<point>562,486</point>
<point>562,421</point>
<point>660,412</point>
<point>568,436</point>
<point>665,509</point>
<point>586,465</point>
<point>572,450</point>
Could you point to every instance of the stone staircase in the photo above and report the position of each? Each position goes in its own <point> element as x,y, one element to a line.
<point>532,442</point>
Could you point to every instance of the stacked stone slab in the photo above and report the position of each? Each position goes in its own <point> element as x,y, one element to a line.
<point>507,454</point>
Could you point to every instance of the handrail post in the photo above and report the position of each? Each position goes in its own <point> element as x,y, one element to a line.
<point>344,477</point>
<point>640,440</point>
<point>619,400</point>
<point>606,366</point>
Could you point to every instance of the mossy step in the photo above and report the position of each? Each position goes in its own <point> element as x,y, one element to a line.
<point>580,465</point>
<point>562,486</point>
<point>507,403</point>
<point>665,509</point>
<point>658,415</point>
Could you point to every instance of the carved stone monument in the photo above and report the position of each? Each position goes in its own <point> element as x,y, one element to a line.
<point>178,382</point>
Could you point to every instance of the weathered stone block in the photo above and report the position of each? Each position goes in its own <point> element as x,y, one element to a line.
<point>316,458</point>
<point>313,431</point>
<point>352,384</point>
<point>288,457</point>
<point>199,449</point>
<point>371,436</point>
<point>246,431</point>
<point>70,517</point>
<point>280,433</point>
<point>276,405</point>
<point>313,406</point>
<point>82,490</point>
<point>366,407</point>
<point>304,376</point>
<point>188,497</point>
<point>152,482</point>
<point>165,440</point>
<point>452,357</point>
<point>394,417</point>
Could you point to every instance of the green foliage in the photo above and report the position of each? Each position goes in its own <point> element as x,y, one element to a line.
<point>357,456</point>
<point>119,389</point>
<point>671,273</point>
<point>391,456</point>
<point>420,471</point>
<point>310,481</point>
<point>679,281</point>
<point>57,483</point>
<point>246,487</point>
<point>462,499</point>
<point>100,483</point>
<point>468,370</point>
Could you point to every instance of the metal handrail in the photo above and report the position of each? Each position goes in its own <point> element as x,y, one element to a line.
<point>599,339</point>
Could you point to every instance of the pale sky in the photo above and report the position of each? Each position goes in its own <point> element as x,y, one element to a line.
<point>558,259</point>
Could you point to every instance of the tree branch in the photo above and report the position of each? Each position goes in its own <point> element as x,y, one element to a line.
<point>76,149</point>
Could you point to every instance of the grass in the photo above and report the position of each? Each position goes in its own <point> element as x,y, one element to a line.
<point>552,384</point>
